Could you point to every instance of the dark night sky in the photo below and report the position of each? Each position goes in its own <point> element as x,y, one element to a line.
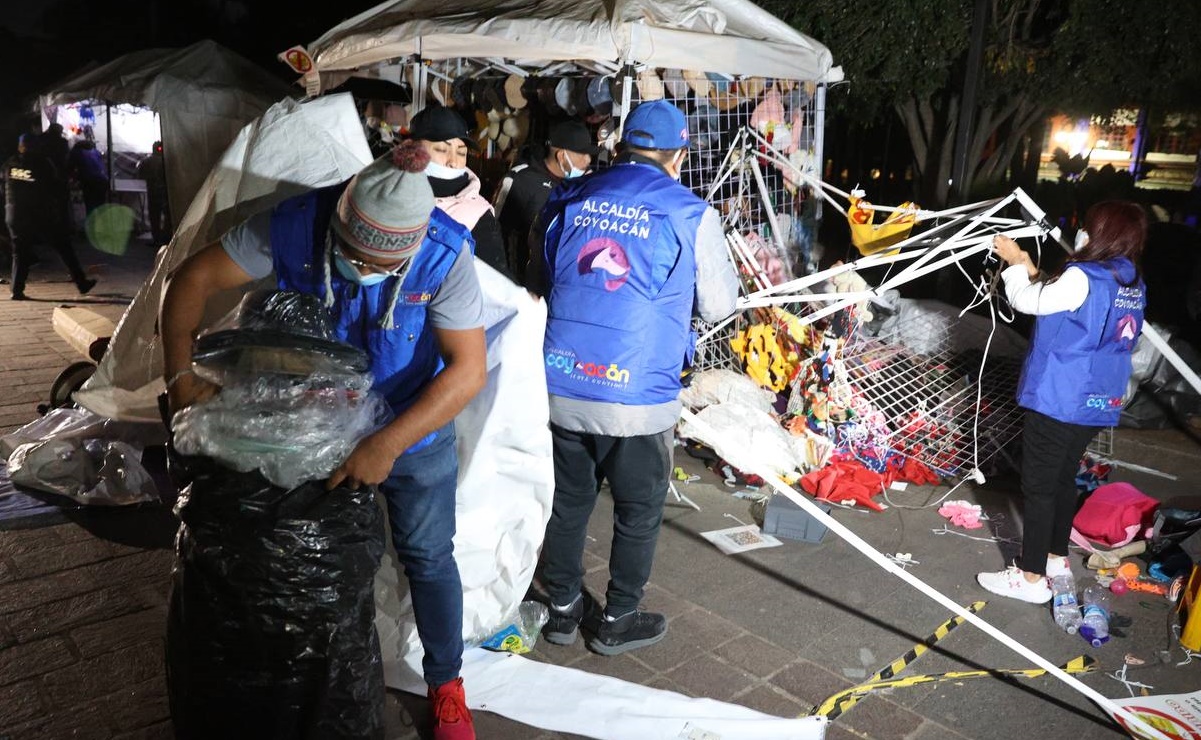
<point>42,41</point>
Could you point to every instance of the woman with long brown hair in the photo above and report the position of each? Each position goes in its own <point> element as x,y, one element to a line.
<point>1088,318</point>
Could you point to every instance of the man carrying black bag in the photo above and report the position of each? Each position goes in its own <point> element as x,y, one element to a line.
<point>397,278</point>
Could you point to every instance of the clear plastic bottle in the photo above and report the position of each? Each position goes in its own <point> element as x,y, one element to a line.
<point>1064,604</point>
<point>1095,627</point>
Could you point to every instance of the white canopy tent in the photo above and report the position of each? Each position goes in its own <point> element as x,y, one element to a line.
<point>735,37</point>
<point>204,94</point>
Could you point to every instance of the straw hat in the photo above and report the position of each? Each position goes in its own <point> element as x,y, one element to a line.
<point>751,88</point>
<point>513,95</point>
<point>650,87</point>
<point>725,95</point>
<point>698,82</point>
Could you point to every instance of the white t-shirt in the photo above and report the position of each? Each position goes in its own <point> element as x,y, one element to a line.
<point>1039,298</point>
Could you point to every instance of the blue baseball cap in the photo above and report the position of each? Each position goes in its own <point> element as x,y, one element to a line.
<point>656,124</point>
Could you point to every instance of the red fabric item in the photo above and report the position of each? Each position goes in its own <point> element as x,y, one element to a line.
<point>1115,514</point>
<point>845,480</point>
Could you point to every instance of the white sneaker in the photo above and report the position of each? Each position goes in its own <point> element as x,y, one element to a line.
<point>1058,565</point>
<point>1012,582</point>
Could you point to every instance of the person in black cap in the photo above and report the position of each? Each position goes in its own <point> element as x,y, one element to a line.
<point>445,135</point>
<point>523,191</point>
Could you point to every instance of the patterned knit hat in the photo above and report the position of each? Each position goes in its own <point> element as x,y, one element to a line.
<point>384,210</point>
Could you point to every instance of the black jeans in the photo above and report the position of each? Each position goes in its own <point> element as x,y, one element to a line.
<point>1051,452</point>
<point>637,469</point>
<point>23,255</point>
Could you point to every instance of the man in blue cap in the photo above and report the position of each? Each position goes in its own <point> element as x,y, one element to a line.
<point>628,256</point>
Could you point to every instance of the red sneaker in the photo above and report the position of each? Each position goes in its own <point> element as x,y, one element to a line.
<point>452,719</point>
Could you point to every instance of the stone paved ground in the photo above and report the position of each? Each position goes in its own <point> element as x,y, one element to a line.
<point>82,603</point>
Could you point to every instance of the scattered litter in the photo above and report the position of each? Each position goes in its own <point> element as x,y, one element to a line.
<point>731,516</point>
<point>1132,659</point>
<point>944,530</point>
<point>750,494</point>
<point>740,539</point>
<point>691,732</point>
<point>904,559</point>
<point>899,485</point>
<point>1120,676</point>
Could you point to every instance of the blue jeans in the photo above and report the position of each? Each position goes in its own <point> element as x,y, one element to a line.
<point>420,493</point>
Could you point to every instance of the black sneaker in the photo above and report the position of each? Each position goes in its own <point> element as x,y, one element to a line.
<point>19,297</point>
<point>636,629</point>
<point>86,286</point>
<point>563,626</point>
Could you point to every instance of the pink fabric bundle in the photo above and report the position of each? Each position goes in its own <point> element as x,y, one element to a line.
<point>961,514</point>
<point>1115,514</point>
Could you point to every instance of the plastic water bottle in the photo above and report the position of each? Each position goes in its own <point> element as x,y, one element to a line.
<point>1064,604</point>
<point>1095,627</point>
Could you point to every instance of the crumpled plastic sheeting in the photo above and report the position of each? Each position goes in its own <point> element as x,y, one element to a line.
<point>761,436</point>
<point>725,386</point>
<point>89,471</point>
<point>506,484</point>
<point>77,423</point>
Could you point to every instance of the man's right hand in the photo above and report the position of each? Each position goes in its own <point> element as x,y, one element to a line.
<point>189,389</point>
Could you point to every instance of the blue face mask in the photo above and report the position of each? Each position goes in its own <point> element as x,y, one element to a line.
<point>351,273</point>
<point>570,172</point>
<point>442,172</point>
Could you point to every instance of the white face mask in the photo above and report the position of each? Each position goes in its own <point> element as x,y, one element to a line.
<point>570,172</point>
<point>1081,239</point>
<point>442,172</point>
<point>678,165</point>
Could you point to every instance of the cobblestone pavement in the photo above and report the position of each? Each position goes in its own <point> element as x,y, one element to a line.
<point>82,602</point>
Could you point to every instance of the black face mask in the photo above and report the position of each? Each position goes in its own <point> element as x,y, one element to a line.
<point>445,188</point>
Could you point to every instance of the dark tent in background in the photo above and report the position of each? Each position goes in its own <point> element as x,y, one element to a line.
<point>204,94</point>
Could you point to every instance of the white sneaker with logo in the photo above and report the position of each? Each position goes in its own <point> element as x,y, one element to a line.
<point>1058,565</point>
<point>1012,582</point>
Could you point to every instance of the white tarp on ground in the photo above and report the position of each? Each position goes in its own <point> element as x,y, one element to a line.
<point>730,36</point>
<point>204,94</point>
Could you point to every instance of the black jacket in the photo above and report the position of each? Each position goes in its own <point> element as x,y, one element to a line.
<point>522,193</point>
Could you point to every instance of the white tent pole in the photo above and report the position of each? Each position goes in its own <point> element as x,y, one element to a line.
<point>769,209</point>
<point>819,136</point>
<point>712,438</point>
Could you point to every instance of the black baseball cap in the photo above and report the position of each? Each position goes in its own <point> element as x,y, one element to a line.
<point>572,136</point>
<point>439,123</point>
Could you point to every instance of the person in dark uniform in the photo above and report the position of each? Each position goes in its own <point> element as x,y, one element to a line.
<point>153,170</point>
<point>30,213</point>
<point>523,191</point>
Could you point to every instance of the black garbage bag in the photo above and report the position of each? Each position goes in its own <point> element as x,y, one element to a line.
<point>270,632</point>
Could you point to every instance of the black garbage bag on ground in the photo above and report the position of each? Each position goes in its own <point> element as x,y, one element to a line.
<point>270,632</point>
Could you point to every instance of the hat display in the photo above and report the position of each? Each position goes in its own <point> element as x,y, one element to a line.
<point>384,210</point>
<point>513,92</point>
<point>675,84</point>
<point>572,136</point>
<point>724,95</point>
<point>750,88</point>
<point>650,87</point>
<point>460,92</point>
<point>656,124</point>
<point>439,123</point>
<point>565,95</point>
<point>698,81</point>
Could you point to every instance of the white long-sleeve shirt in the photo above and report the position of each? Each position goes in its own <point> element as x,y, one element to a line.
<point>1040,298</point>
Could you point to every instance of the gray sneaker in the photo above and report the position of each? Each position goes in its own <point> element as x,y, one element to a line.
<point>563,626</point>
<point>632,630</point>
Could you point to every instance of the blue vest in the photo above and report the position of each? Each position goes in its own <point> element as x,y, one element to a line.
<point>621,263</point>
<point>403,359</point>
<point>1080,361</point>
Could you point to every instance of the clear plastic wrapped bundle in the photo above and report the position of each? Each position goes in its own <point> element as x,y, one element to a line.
<point>290,429</point>
<point>294,401</point>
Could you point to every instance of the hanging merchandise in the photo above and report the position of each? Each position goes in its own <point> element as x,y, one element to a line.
<point>870,238</point>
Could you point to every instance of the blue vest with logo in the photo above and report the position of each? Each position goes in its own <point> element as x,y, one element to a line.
<point>622,269</point>
<point>403,359</point>
<point>1080,361</point>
